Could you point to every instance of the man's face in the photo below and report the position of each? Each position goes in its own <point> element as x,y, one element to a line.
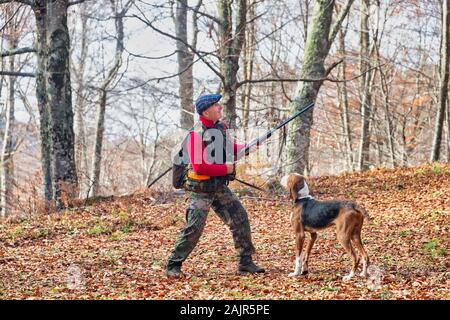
<point>214,112</point>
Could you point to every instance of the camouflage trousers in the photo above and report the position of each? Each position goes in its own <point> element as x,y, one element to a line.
<point>230,210</point>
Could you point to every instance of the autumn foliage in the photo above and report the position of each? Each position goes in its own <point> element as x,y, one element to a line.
<point>116,248</point>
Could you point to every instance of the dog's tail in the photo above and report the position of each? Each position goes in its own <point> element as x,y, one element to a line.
<point>363,211</point>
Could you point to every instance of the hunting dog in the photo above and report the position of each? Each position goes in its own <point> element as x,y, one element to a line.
<point>310,215</point>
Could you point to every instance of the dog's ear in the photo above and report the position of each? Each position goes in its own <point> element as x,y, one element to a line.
<point>295,183</point>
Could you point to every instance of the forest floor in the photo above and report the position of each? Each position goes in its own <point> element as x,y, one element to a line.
<point>117,248</point>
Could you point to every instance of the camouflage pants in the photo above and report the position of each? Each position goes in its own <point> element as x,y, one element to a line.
<point>228,207</point>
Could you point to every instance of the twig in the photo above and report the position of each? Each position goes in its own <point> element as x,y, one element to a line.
<point>307,79</point>
<point>17,74</point>
<point>17,51</point>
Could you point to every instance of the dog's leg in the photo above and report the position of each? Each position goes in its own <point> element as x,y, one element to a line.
<point>299,239</point>
<point>307,252</point>
<point>344,239</point>
<point>356,240</point>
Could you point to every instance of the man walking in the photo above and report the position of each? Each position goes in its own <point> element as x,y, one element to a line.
<point>206,186</point>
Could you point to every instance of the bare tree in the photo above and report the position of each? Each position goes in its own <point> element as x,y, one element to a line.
<point>343,104</point>
<point>365,86</point>
<point>119,14</point>
<point>79,71</point>
<point>443,83</point>
<point>7,176</point>
<point>53,91</point>
<point>248,62</point>
<point>318,43</point>
<point>231,39</point>
<point>185,57</point>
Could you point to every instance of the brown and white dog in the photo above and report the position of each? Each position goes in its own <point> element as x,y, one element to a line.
<point>311,216</point>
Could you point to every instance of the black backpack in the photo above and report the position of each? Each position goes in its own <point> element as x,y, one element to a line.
<point>180,163</point>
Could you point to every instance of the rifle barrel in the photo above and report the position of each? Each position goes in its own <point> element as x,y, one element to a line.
<point>268,134</point>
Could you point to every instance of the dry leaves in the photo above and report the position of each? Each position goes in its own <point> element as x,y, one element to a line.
<point>117,248</point>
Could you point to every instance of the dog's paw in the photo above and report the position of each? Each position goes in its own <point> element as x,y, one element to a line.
<point>363,274</point>
<point>294,274</point>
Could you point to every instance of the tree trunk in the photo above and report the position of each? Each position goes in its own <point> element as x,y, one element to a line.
<point>365,88</point>
<point>448,130</point>
<point>185,60</point>
<point>80,133</point>
<point>443,84</point>
<point>7,177</point>
<point>229,52</point>
<point>40,12</point>
<point>249,55</point>
<point>59,92</point>
<point>97,153</point>
<point>316,50</point>
<point>101,107</point>
<point>343,105</point>
<point>389,116</point>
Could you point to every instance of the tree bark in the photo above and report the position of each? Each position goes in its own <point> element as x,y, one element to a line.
<point>343,106</point>
<point>59,92</point>
<point>80,133</point>
<point>7,175</point>
<point>448,130</point>
<point>365,89</point>
<point>249,55</point>
<point>53,93</point>
<point>316,50</point>
<point>229,52</point>
<point>443,84</point>
<point>185,60</point>
<point>97,153</point>
<point>40,12</point>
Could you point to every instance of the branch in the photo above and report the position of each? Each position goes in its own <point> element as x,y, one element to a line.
<point>161,78</point>
<point>17,74</point>
<point>239,33</point>
<point>196,9</point>
<point>333,65</point>
<point>337,25</point>
<point>309,79</point>
<point>195,30</point>
<point>148,23</point>
<point>279,80</point>
<point>28,2</point>
<point>149,58</point>
<point>17,51</point>
<point>71,3</point>
<point>10,18</point>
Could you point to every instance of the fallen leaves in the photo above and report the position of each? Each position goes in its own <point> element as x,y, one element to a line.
<point>120,246</point>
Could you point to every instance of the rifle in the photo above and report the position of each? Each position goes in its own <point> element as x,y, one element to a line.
<point>268,134</point>
<point>254,142</point>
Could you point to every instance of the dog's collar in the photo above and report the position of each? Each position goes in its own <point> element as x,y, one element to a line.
<point>303,199</point>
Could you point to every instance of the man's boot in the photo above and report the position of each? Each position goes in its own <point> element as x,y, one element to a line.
<point>246,264</point>
<point>173,270</point>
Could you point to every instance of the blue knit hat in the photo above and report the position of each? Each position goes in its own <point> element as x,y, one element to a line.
<point>204,102</point>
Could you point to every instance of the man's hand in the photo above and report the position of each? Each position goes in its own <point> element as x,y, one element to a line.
<point>252,149</point>
<point>230,168</point>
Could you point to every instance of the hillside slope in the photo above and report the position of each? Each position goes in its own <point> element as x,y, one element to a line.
<point>117,248</point>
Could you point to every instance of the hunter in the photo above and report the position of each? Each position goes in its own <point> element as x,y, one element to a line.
<point>211,166</point>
